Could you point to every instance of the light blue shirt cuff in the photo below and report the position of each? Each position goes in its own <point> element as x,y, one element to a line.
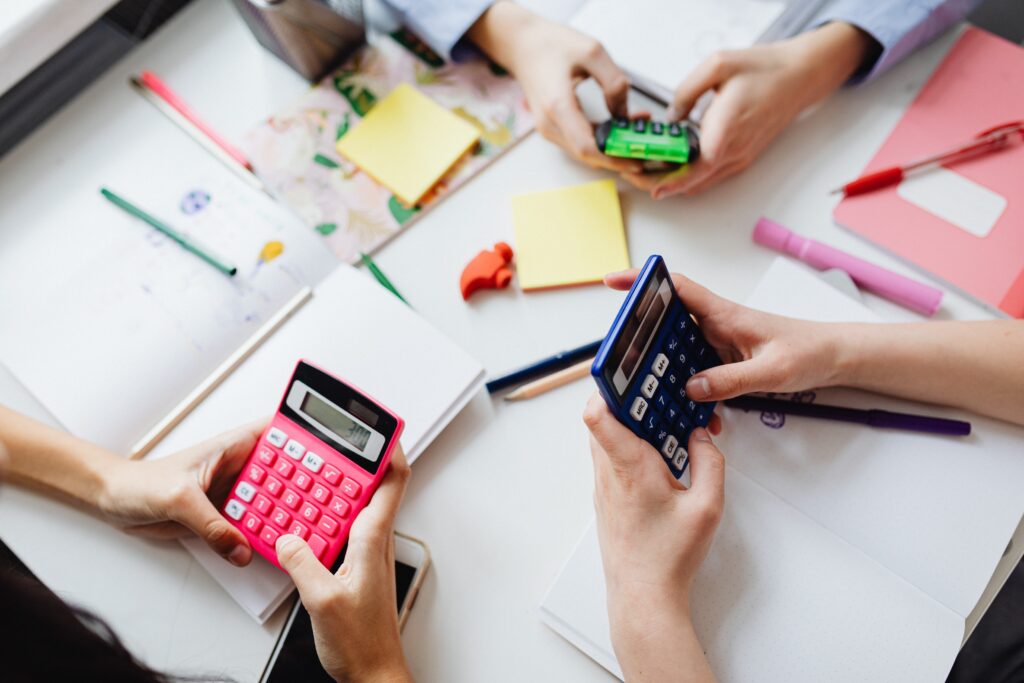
<point>441,24</point>
<point>899,27</point>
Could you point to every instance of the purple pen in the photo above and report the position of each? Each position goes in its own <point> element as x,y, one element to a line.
<point>874,417</point>
<point>902,290</point>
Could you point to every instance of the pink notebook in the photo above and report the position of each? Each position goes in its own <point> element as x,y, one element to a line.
<point>963,224</point>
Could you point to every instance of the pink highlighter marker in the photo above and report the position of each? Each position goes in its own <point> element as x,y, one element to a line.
<point>885,283</point>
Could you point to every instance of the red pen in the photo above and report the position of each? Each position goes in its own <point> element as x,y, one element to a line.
<point>984,142</point>
<point>160,89</point>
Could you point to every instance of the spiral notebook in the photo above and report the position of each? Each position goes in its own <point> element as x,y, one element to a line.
<point>844,553</point>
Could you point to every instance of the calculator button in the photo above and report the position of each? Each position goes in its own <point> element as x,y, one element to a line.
<point>657,128</point>
<point>351,487</point>
<point>691,371</point>
<point>276,437</point>
<point>245,491</point>
<point>639,125</point>
<point>263,504</point>
<point>622,122</point>
<point>703,414</point>
<point>661,434</point>
<point>649,386</point>
<point>284,468</point>
<point>339,506</point>
<point>332,474</point>
<point>692,339</point>
<point>638,409</point>
<point>299,530</point>
<point>317,545</point>
<point>675,130</point>
<point>266,456</point>
<point>256,474</point>
<point>660,365</point>
<point>683,427</point>
<point>273,487</point>
<point>691,405</point>
<point>650,422</point>
<point>679,459</point>
<point>672,344</point>
<point>310,513</point>
<point>321,493</point>
<point>294,449</point>
<point>671,379</point>
<point>312,462</point>
<point>234,509</point>
<point>329,526</point>
<point>291,499</point>
<point>673,412</point>
<point>681,359</point>
<point>661,401</point>
<point>668,448</point>
<point>281,518</point>
<point>253,523</point>
<point>303,481</point>
<point>682,324</point>
<point>269,536</point>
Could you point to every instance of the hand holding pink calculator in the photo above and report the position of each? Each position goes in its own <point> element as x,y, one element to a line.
<point>315,467</point>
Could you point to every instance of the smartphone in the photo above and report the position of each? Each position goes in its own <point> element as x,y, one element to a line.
<point>294,657</point>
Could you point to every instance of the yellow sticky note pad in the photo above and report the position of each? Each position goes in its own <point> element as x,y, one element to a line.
<point>570,236</point>
<point>407,142</point>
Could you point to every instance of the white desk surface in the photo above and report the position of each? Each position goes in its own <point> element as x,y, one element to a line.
<point>504,493</point>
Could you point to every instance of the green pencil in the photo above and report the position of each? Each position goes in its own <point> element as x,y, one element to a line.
<point>381,277</point>
<point>183,240</point>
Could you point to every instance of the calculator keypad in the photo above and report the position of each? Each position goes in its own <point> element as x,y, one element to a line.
<point>287,487</point>
<point>660,411</point>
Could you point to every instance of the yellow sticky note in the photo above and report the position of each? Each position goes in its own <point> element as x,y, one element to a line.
<point>407,142</point>
<point>569,236</point>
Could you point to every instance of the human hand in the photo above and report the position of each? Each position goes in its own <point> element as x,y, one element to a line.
<point>654,535</point>
<point>354,614</point>
<point>761,351</point>
<point>180,494</point>
<point>549,60</point>
<point>758,92</point>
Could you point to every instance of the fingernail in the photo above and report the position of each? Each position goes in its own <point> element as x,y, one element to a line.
<point>285,541</point>
<point>701,434</point>
<point>698,387</point>
<point>239,556</point>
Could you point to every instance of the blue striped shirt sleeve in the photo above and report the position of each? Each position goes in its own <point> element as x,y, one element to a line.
<point>441,24</point>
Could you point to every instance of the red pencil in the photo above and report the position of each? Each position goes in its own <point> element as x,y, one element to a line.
<point>160,89</point>
<point>986,141</point>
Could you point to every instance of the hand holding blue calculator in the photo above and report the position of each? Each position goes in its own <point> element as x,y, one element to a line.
<point>641,369</point>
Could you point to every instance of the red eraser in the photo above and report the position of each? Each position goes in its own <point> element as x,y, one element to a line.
<point>488,270</point>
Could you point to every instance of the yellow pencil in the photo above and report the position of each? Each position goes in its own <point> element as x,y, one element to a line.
<point>546,384</point>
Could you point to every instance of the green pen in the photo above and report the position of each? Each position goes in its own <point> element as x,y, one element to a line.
<point>183,240</point>
<point>381,277</point>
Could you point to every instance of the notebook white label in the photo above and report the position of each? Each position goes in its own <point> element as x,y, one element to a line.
<point>955,199</point>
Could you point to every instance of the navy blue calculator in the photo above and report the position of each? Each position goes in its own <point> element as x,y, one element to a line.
<point>642,367</point>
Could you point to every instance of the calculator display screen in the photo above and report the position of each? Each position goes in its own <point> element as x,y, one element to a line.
<point>340,424</point>
<point>638,332</point>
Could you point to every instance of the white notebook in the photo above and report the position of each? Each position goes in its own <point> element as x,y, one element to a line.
<point>357,330</point>
<point>658,42</point>
<point>845,553</point>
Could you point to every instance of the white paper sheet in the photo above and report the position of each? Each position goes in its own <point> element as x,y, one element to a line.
<point>357,330</point>
<point>659,42</point>
<point>936,510</point>
<point>779,599</point>
<point>116,341</point>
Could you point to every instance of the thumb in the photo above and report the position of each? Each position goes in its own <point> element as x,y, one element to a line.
<point>707,469</point>
<point>198,514</point>
<point>708,75</point>
<point>732,379</point>
<point>614,83</point>
<point>611,435</point>
<point>308,573</point>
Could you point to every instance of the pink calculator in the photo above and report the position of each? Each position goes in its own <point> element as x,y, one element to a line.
<point>315,467</point>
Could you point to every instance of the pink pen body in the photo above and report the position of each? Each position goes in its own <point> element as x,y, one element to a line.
<point>892,286</point>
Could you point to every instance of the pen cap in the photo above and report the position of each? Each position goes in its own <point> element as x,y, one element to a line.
<point>770,234</point>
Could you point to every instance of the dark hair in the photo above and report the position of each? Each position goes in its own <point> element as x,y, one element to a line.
<point>44,639</point>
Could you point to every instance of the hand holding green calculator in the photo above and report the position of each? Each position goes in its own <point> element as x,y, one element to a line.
<point>661,146</point>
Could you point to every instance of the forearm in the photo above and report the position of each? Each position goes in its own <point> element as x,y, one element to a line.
<point>53,461</point>
<point>494,30</point>
<point>654,639</point>
<point>978,366</point>
<point>830,56</point>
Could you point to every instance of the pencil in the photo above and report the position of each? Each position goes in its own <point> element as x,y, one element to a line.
<point>546,384</point>
<point>184,241</point>
<point>380,276</point>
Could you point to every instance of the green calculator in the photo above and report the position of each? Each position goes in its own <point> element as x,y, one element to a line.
<point>660,145</point>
